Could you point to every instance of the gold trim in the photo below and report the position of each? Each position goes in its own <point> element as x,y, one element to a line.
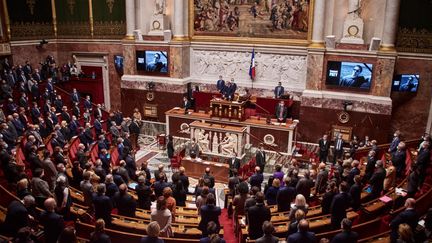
<point>129,37</point>
<point>250,40</point>
<point>91,18</point>
<point>316,45</point>
<point>7,20</point>
<point>385,48</point>
<point>54,17</point>
<point>181,38</point>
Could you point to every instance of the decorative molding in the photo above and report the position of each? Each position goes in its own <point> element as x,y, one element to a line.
<point>109,29</point>
<point>5,49</point>
<point>333,100</point>
<point>414,40</point>
<point>271,68</point>
<point>166,84</point>
<point>24,31</point>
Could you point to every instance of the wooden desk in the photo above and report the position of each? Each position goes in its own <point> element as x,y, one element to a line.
<point>283,135</point>
<point>196,169</point>
<point>227,109</point>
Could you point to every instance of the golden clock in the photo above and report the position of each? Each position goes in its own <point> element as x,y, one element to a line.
<point>156,25</point>
<point>353,30</point>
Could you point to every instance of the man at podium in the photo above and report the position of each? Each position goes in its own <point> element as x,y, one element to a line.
<point>229,90</point>
<point>281,111</point>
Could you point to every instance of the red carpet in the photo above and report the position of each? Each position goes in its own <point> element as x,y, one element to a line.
<point>228,226</point>
<point>146,157</point>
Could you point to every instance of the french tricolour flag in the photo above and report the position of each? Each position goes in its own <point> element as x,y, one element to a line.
<point>252,66</point>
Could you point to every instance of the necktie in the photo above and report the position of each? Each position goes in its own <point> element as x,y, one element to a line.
<point>338,147</point>
<point>280,111</point>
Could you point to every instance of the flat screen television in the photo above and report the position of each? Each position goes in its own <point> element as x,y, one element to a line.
<point>152,62</point>
<point>118,63</point>
<point>352,75</point>
<point>406,83</point>
<point>140,60</point>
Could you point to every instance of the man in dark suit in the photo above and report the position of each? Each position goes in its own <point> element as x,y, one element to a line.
<point>321,179</point>
<point>377,180</point>
<point>408,216</point>
<point>338,148</point>
<point>398,158</point>
<point>260,158</point>
<point>257,215</point>
<point>18,215</point>
<point>370,166</point>
<point>35,113</point>
<point>281,112</point>
<point>395,142</point>
<point>220,84</point>
<point>324,146</point>
<point>102,205</point>
<point>346,236</point>
<point>209,212</point>
<point>209,177</point>
<point>285,196</point>
<point>257,178</point>
<point>87,103</point>
<point>341,202</point>
<point>125,203</point>
<point>303,235</point>
<point>234,163</point>
<point>184,178</point>
<point>279,91</point>
<point>65,115</point>
<point>97,126</point>
<point>53,223</point>
<point>75,97</point>
<point>423,160</point>
<point>186,104</point>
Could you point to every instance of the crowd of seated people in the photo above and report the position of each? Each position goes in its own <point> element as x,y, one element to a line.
<point>104,185</point>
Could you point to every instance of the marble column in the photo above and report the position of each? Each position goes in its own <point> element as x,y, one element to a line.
<point>390,25</point>
<point>130,19</point>
<point>178,30</point>
<point>429,122</point>
<point>318,24</point>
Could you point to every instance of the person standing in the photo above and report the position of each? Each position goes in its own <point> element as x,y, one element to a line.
<point>257,215</point>
<point>220,84</point>
<point>261,158</point>
<point>341,202</point>
<point>324,147</point>
<point>209,212</point>
<point>279,91</point>
<point>338,148</point>
<point>346,236</point>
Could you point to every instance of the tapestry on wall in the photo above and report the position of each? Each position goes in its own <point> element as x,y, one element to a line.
<point>109,18</point>
<point>73,18</point>
<point>415,26</point>
<point>281,19</point>
<point>30,19</point>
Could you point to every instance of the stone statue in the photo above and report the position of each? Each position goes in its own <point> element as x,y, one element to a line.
<point>160,6</point>
<point>229,144</point>
<point>215,144</point>
<point>354,7</point>
<point>203,141</point>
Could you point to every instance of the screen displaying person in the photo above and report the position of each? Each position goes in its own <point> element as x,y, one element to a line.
<point>156,65</point>
<point>409,85</point>
<point>355,79</point>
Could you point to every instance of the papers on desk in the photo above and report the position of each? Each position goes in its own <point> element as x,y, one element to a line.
<point>385,199</point>
<point>198,159</point>
<point>236,102</point>
<point>401,192</point>
<point>219,165</point>
<point>283,124</point>
<point>276,123</point>
<point>206,162</point>
<point>176,108</point>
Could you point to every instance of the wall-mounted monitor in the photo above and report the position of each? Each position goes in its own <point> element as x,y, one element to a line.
<point>152,62</point>
<point>351,75</point>
<point>118,63</point>
<point>406,83</point>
